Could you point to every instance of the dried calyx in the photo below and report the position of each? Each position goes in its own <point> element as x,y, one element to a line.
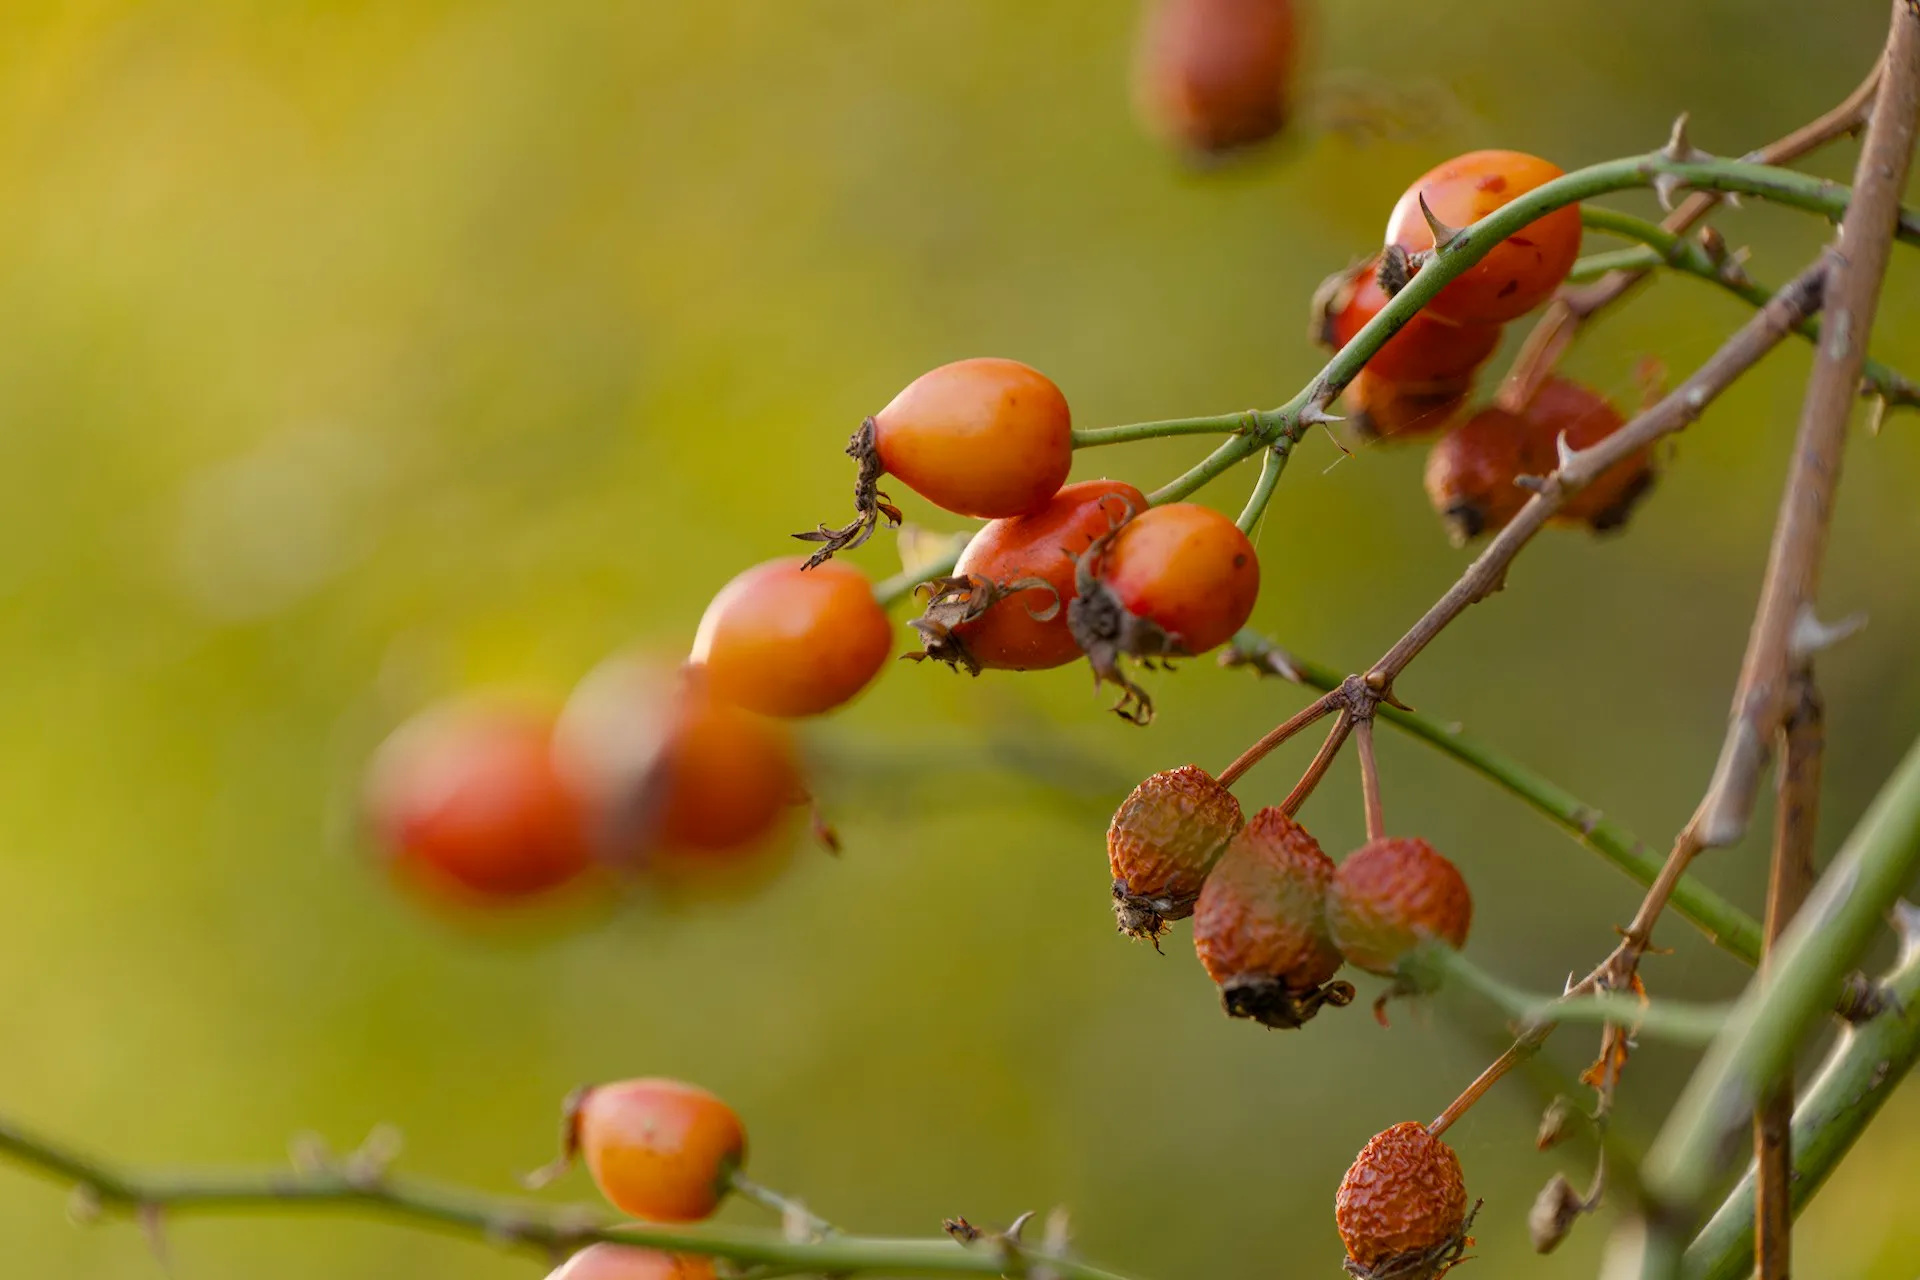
<point>870,505</point>
<point>953,602</point>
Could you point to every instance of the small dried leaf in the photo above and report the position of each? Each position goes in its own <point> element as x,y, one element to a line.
<point>1555,1210</point>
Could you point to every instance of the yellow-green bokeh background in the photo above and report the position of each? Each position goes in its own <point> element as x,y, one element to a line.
<point>356,354</point>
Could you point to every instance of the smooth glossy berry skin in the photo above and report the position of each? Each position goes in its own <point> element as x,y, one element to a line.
<point>466,798</point>
<point>1377,409</point>
<point>658,1149</point>
<point>1520,272</point>
<point>1163,840</point>
<point>605,1261</point>
<point>1402,1207</point>
<point>1213,76</point>
<point>1471,472</point>
<point>985,437</point>
<point>997,627</point>
<point>1427,348</point>
<point>1563,406</point>
<point>787,641</point>
<point>1259,927</point>
<point>1188,570</point>
<point>1393,894</point>
<point>679,778</point>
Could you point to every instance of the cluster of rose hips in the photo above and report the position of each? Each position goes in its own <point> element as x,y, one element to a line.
<point>659,1151</point>
<point>1419,383</point>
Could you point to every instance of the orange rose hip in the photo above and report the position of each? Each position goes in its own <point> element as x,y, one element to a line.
<point>786,641</point>
<point>1213,76</point>
<point>658,1149</point>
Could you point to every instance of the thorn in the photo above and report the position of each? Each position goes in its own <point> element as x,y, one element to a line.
<point>153,1226</point>
<point>1906,923</point>
<point>83,1205</point>
<point>1812,636</point>
<point>368,1166</point>
<point>1444,236</point>
<point>1532,484</point>
<point>1564,451</point>
<point>1019,1224</point>
<point>1315,414</point>
<point>309,1153</point>
<point>1680,148</point>
<point>1877,408</point>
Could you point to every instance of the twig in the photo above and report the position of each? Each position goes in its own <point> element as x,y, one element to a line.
<point>1557,327</point>
<point>108,1188</point>
<point>1778,1008</point>
<point>1668,1019</point>
<point>1863,1070</point>
<point>1689,257</point>
<point>1784,622</point>
<point>1796,820</point>
<point>1369,780</point>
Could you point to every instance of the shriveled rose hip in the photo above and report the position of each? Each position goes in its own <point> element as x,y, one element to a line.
<point>1402,1207</point>
<point>1163,840</point>
<point>1390,896</point>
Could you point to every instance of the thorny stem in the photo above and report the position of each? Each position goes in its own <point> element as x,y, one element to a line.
<point>1554,332</point>
<point>1777,1010</point>
<point>519,1223</point>
<point>1692,258</point>
<point>1790,877</point>
<point>1806,510</point>
<point>1668,1019</point>
<point>1863,1070</point>
<point>1369,780</point>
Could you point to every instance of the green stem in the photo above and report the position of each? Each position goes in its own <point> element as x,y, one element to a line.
<point>1665,249</point>
<point>1271,467</point>
<point>1863,1070</point>
<point>1595,265</point>
<point>1218,424</point>
<point>1724,924</point>
<point>1780,1007</point>
<point>513,1222</point>
<point>1667,1019</point>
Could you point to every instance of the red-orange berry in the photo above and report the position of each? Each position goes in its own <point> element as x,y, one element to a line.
<point>1473,472</point>
<point>984,437</point>
<point>658,1149</point>
<point>1162,841</point>
<point>1259,926</point>
<point>1174,581</point>
<point>1005,607</point>
<point>1377,409</point>
<point>1402,1208</point>
<point>1427,348</point>
<point>1390,896</point>
<point>1563,407</point>
<point>785,641</point>
<point>680,779</point>
<point>1520,272</point>
<point>466,798</point>
<point>1212,76</point>
<point>620,1262</point>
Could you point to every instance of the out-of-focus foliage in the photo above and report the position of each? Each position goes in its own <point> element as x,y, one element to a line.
<point>355,354</point>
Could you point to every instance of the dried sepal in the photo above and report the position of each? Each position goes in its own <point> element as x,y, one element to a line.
<point>1105,630</point>
<point>870,505</point>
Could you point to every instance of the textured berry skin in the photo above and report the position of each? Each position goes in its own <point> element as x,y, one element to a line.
<point>1212,76</point>
<point>1520,272</point>
<point>466,798</point>
<point>1161,843</point>
<point>1426,349</point>
<point>1402,1208</point>
<point>786,641</point>
<point>1259,927</point>
<point>985,437</point>
<point>1391,895</point>
<point>658,1149</point>
<point>1188,570</point>
<point>619,1262</point>
<point>1026,630</point>
<point>1587,417</point>
<point>1471,472</point>
<point>1377,409</point>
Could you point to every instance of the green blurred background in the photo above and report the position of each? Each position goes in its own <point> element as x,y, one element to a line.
<point>357,354</point>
